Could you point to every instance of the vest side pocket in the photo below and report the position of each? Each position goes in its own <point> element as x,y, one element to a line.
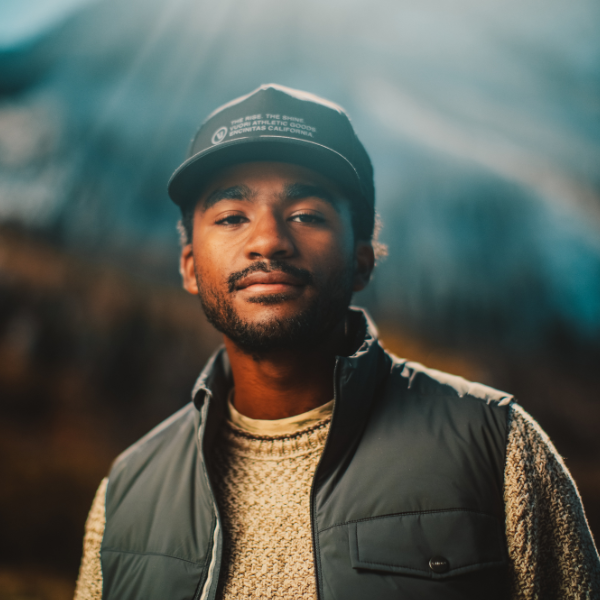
<point>432,545</point>
<point>133,576</point>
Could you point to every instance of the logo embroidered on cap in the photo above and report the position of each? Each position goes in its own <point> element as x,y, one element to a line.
<point>219,135</point>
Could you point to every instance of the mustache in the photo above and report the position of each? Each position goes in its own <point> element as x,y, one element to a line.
<point>274,265</point>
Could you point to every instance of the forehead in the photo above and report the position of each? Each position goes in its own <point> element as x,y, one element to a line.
<point>265,177</point>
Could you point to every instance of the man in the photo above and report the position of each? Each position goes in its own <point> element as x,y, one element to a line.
<point>311,463</point>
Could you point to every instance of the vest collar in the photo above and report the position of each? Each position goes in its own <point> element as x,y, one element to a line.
<point>357,380</point>
<point>355,376</point>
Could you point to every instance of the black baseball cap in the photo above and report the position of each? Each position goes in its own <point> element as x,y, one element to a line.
<point>277,123</point>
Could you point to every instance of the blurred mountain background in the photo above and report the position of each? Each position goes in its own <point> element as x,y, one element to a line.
<point>483,122</point>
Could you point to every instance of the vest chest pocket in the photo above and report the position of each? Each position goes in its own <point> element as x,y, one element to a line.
<point>432,545</point>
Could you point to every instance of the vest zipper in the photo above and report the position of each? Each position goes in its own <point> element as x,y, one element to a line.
<point>205,590</point>
<point>208,591</point>
<point>313,510</point>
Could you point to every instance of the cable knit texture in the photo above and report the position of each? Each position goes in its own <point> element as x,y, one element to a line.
<point>263,490</point>
<point>552,553</point>
<point>89,583</point>
<point>264,485</point>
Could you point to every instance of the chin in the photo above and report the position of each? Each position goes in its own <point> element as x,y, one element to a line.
<point>260,323</point>
<point>268,309</point>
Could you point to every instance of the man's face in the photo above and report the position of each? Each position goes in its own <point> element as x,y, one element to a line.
<point>273,257</point>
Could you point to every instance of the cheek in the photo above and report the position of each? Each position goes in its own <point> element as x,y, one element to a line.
<point>214,262</point>
<point>342,250</point>
<point>206,262</point>
<point>345,236</point>
<point>333,261</point>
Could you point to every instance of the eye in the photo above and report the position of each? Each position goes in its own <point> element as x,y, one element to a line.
<point>307,217</point>
<point>231,220</point>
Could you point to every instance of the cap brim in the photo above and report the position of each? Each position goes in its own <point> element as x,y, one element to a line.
<point>185,185</point>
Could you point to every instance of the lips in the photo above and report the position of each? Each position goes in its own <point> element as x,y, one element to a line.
<point>272,278</point>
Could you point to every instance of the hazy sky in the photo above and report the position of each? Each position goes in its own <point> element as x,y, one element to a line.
<point>482,118</point>
<point>23,21</point>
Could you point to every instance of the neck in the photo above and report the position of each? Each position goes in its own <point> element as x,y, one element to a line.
<point>285,382</point>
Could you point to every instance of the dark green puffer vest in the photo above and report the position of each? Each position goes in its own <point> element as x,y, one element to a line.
<point>412,471</point>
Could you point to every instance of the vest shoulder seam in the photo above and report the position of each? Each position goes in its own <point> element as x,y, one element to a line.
<point>495,402</point>
<point>155,435</point>
<point>411,370</point>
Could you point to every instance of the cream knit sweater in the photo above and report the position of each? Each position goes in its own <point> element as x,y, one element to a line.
<point>263,493</point>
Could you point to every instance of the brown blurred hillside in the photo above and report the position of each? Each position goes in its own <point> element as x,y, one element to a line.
<point>91,359</point>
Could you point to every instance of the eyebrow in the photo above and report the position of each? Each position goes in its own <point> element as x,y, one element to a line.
<point>235,192</point>
<point>291,192</point>
<point>298,191</point>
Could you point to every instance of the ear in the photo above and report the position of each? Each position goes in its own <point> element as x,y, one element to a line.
<point>188,270</point>
<point>364,262</point>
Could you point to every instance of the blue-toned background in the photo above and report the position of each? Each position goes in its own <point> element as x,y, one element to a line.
<point>483,122</point>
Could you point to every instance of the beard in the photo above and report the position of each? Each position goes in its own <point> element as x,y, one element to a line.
<point>303,330</point>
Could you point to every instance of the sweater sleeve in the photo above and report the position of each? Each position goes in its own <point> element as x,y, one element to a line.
<point>550,547</point>
<point>89,582</point>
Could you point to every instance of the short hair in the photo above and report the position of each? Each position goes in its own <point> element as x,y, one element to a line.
<point>366,226</point>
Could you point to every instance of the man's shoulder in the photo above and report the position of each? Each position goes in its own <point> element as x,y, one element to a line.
<point>432,383</point>
<point>175,430</point>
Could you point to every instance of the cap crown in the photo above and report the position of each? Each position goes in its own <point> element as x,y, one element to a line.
<point>281,124</point>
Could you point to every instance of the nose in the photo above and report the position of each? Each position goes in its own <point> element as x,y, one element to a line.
<point>269,238</point>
